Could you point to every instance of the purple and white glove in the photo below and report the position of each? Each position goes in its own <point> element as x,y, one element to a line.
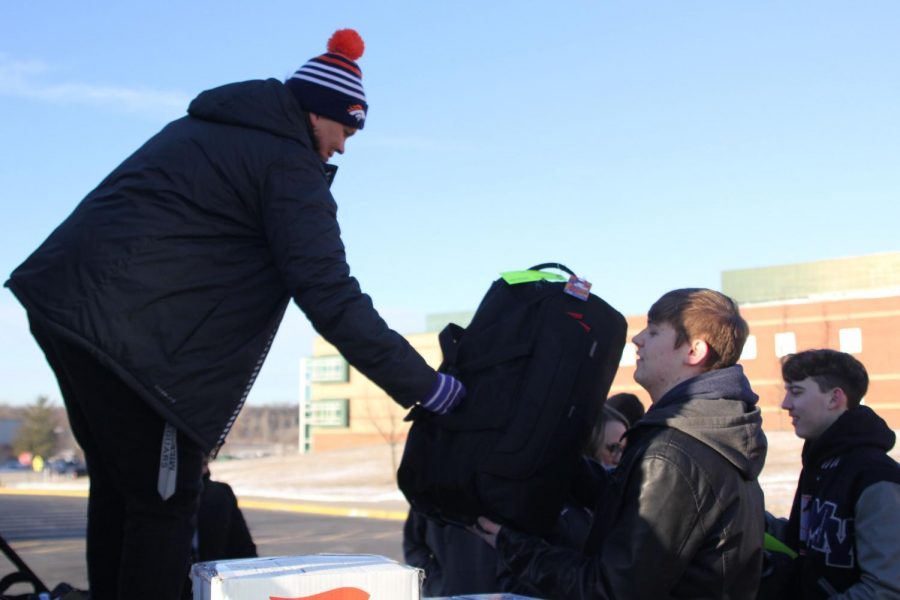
<point>446,394</point>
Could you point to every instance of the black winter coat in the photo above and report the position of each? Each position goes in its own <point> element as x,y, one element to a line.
<point>683,517</point>
<point>176,270</point>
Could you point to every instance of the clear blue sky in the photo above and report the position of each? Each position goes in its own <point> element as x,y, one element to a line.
<point>648,145</point>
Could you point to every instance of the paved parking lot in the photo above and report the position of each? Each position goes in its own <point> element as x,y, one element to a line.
<point>294,505</point>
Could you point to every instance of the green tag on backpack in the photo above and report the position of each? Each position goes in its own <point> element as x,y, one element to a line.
<point>516,277</point>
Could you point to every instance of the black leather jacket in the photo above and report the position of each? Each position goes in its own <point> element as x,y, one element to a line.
<point>176,270</point>
<point>683,516</point>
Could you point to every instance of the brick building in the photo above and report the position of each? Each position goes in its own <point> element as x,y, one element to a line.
<point>868,328</point>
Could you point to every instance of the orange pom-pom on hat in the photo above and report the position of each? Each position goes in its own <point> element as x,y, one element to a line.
<point>347,43</point>
<point>330,85</point>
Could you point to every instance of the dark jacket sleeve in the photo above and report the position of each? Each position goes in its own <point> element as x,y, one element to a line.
<point>877,543</point>
<point>300,218</point>
<point>554,571</point>
<point>645,533</point>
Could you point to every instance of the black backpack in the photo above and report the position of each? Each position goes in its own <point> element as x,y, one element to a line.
<point>537,364</point>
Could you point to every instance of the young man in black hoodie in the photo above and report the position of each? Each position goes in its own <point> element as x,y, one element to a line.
<point>682,514</point>
<point>157,300</point>
<point>845,520</point>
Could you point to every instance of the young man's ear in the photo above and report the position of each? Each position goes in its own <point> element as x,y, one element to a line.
<point>838,399</point>
<point>698,353</point>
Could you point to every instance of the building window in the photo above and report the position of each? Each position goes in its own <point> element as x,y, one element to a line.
<point>328,369</point>
<point>629,355</point>
<point>749,351</point>
<point>785,343</point>
<point>330,413</point>
<point>851,340</point>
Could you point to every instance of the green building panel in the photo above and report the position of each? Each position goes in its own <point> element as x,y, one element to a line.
<point>813,279</point>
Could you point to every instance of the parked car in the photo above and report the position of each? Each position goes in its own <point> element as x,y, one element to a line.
<point>68,468</point>
<point>13,465</point>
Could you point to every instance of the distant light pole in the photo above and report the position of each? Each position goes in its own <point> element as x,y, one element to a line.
<point>304,443</point>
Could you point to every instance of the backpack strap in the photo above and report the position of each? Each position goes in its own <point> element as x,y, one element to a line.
<point>557,266</point>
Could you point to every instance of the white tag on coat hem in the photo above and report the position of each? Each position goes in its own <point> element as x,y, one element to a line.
<point>168,463</point>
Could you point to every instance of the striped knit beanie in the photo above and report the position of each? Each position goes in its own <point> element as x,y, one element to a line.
<point>330,85</point>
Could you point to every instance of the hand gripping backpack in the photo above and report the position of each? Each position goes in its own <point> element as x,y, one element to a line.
<point>537,361</point>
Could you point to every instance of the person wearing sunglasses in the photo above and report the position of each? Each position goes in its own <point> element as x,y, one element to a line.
<point>607,442</point>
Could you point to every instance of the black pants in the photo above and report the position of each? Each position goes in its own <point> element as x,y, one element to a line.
<point>138,546</point>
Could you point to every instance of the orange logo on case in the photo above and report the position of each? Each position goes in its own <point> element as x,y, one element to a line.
<point>344,593</point>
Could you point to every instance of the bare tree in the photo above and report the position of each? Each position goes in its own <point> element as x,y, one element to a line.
<point>387,419</point>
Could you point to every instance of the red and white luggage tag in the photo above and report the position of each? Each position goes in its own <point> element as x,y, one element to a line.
<point>578,287</point>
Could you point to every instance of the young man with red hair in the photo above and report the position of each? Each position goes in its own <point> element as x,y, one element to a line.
<point>682,516</point>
